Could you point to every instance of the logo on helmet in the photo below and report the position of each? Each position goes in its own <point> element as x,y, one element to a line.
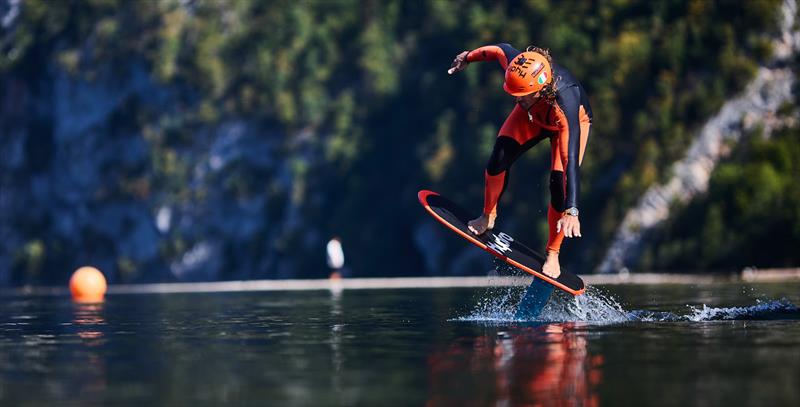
<point>519,71</point>
<point>542,78</point>
<point>537,68</point>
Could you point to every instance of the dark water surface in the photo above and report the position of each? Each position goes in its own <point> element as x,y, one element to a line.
<point>721,344</point>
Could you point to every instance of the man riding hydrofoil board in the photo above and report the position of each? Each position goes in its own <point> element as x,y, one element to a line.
<point>551,104</point>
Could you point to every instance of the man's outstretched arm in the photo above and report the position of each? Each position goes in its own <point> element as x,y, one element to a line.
<point>502,53</point>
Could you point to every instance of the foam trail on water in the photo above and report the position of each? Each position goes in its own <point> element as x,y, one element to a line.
<point>763,310</point>
<point>770,310</point>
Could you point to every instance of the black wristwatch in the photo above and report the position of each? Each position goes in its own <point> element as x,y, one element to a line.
<point>572,211</point>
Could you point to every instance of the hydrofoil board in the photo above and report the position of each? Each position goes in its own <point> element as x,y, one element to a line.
<point>496,242</point>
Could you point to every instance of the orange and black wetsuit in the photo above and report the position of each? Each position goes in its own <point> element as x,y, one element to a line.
<point>566,123</point>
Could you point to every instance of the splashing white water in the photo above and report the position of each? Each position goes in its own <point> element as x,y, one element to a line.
<point>496,305</point>
<point>593,306</point>
<point>500,305</point>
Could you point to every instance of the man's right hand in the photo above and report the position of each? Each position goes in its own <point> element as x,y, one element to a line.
<point>459,63</point>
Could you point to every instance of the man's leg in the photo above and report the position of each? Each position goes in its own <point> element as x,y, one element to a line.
<point>551,266</point>
<point>515,137</point>
<point>555,211</point>
<point>506,150</point>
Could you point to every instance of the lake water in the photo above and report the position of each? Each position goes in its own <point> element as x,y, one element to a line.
<point>714,344</point>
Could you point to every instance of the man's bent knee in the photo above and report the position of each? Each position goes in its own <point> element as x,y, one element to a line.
<point>505,151</point>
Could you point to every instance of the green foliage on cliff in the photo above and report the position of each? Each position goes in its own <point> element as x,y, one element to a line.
<point>359,92</point>
<point>749,217</point>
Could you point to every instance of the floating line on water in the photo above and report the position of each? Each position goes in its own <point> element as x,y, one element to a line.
<point>291,285</point>
<point>407,282</point>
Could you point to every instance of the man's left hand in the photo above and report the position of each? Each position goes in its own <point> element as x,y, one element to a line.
<point>570,225</point>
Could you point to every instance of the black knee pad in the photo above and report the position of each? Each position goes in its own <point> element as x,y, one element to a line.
<point>505,151</point>
<point>557,198</point>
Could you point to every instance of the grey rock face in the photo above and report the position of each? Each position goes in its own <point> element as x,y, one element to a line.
<point>771,88</point>
<point>76,184</point>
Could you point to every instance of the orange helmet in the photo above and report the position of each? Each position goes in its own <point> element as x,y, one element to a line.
<point>529,72</point>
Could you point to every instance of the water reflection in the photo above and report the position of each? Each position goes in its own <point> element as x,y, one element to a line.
<point>88,320</point>
<point>541,365</point>
<point>337,359</point>
<point>90,376</point>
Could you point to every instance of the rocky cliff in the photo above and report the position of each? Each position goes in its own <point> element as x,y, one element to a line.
<point>771,89</point>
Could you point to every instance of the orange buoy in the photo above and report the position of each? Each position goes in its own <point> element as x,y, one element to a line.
<point>87,285</point>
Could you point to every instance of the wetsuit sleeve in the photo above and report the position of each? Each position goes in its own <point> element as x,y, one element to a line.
<point>501,53</point>
<point>569,100</point>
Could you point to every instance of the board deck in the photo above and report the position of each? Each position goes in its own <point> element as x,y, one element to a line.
<point>500,244</point>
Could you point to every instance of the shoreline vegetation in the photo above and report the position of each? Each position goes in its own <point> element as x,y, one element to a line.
<point>169,141</point>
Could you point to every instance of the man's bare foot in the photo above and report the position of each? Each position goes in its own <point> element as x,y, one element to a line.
<point>481,224</point>
<point>551,267</point>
